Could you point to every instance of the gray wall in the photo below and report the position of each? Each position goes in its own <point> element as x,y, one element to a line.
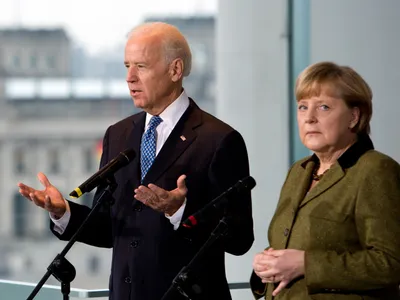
<point>364,34</point>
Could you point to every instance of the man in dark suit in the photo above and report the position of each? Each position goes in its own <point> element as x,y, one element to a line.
<point>185,158</point>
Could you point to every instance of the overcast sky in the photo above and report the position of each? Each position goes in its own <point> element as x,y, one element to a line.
<point>95,24</point>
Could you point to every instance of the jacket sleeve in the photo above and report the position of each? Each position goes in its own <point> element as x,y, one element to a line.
<point>98,231</point>
<point>229,165</point>
<point>377,219</point>
<point>258,288</point>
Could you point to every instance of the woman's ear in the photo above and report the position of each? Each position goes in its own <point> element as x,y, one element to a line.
<point>355,117</point>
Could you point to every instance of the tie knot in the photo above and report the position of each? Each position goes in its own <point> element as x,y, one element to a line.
<point>154,122</point>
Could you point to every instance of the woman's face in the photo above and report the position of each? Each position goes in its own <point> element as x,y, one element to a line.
<point>325,122</point>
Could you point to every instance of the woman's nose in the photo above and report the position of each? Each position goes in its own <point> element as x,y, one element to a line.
<point>310,116</point>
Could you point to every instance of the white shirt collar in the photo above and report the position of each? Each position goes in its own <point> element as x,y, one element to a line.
<point>173,112</point>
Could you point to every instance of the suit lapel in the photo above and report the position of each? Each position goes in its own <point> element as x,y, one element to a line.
<point>302,184</point>
<point>180,138</point>
<point>334,175</point>
<point>134,138</point>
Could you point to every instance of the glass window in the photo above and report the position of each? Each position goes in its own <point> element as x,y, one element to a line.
<point>54,161</point>
<point>89,160</point>
<point>20,216</point>
<point>16,61</point>
<point>33,61</point>
<point>20,161</point>
<point>51,62</point>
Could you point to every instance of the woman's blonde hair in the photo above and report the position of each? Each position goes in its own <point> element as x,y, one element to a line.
<point>341,82</point>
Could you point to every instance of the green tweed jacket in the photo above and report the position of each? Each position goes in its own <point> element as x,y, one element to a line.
<point>348,225</point>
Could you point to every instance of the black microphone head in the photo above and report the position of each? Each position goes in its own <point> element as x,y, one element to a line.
<point>128,155</point>
<point>249,182</point>
<point>246,183</point>
<point>101,175</point>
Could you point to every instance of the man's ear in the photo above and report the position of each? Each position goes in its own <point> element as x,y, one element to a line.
<point>176,69</point>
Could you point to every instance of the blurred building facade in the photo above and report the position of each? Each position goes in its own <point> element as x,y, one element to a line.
<point>39,53</point>
<point>51,123</point>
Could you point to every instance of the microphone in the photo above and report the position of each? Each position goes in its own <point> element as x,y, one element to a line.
<point>246,184</point>
<point>105,172</point>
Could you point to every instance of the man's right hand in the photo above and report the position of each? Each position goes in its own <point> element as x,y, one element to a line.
<point>50,198</point>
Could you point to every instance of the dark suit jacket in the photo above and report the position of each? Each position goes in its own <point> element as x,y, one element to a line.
<point>147,252</point>
<point>348,225</point>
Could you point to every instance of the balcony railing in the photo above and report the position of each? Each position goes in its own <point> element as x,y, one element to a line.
<point>21,290</point>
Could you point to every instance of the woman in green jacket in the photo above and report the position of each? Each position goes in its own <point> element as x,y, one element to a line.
<point>335,233</point>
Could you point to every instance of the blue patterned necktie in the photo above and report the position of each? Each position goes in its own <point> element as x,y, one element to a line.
<point>148,146</point>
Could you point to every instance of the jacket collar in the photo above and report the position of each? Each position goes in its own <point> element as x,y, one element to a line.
<point>351,155</point>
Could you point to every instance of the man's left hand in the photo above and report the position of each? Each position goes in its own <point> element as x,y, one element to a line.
<point>161,200</point>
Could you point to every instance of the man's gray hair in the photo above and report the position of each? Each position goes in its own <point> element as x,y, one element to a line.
<point>174,43</point>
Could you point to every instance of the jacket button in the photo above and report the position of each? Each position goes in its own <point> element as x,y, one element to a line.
<point>128,280</point>
<point>134,244</point>
<point>138,207</point>
<point>286,232</point>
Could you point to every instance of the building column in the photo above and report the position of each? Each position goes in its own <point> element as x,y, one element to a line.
<point>252,96</point>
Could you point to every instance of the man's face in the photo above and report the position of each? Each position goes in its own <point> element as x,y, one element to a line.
<point>148,75</point>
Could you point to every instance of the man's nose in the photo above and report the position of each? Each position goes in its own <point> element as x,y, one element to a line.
<point>131,75</point>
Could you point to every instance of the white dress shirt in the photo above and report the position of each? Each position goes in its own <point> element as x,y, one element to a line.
<point>170,117</point>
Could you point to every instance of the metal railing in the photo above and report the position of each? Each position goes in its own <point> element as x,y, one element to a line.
<point>18,290</point>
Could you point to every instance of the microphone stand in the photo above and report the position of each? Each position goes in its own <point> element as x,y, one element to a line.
<point>60,267</point>
<point>219,231</point>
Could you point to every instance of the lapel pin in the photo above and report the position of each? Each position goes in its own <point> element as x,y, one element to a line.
<point>183,138</point>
